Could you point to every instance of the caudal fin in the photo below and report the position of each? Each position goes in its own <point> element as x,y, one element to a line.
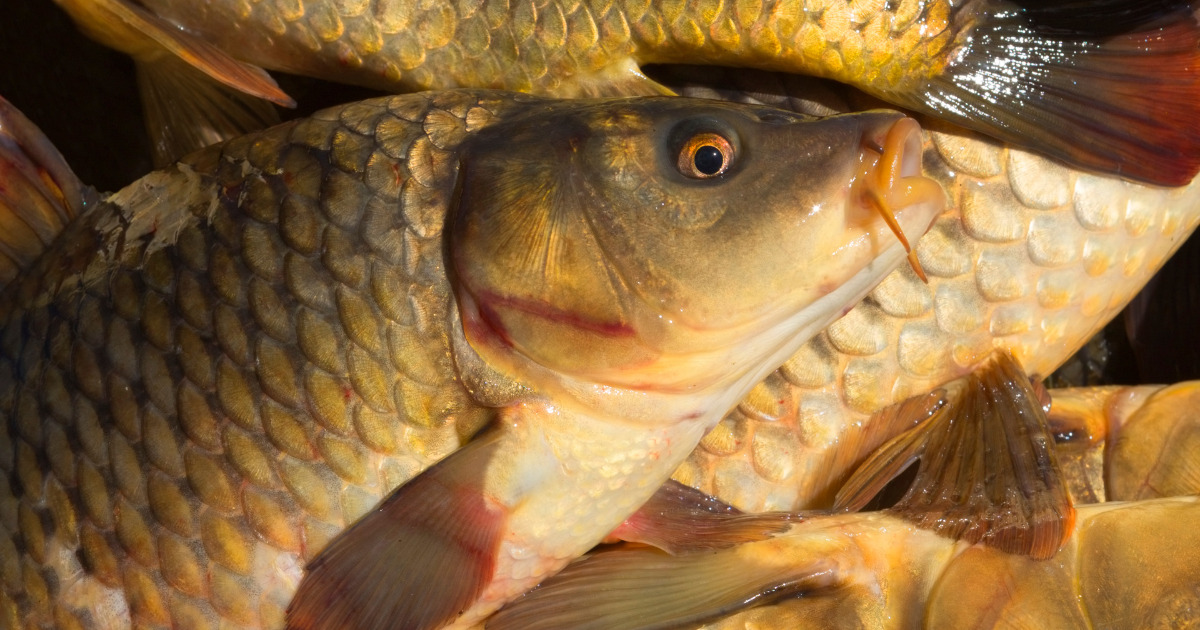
<point>1107,85</point>
<point>39,194</point>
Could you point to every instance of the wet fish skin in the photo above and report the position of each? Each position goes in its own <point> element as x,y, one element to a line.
<point>1017,72</point>
<point>226,363</point>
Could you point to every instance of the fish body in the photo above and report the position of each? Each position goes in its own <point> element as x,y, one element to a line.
<point>213,372</point>
<point>1108,85</point>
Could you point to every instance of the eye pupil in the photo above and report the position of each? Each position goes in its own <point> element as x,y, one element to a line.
<point>708,160</point>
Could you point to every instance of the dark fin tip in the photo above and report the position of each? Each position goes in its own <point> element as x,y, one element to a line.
<point>1124,103</point>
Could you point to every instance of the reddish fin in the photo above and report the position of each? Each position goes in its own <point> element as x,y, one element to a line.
<point>417,561</point>
<point>640,588</point>
<point>39,194</point>
<point>1106,85</point>
<point>680,519</point>
<point>987,470</point>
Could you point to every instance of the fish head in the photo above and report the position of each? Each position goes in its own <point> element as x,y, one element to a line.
<point>674,244</point>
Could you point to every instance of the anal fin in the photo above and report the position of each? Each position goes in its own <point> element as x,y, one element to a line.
<point>680,519</point>
<point>419,559</point>
<point>986,467</point>
<point>39,194</point>
<point>1107,85</point>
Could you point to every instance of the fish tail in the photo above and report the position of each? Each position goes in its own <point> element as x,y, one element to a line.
<point>418,560</point>
<point>39,194</point>
<point>1107,85</point>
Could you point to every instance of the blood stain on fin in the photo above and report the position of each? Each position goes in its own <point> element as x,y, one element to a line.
<point>39,194</point>
<point>416,561</point>
<point>1116,99</point>
<point>987,471</point>
<point>637,588</point>
<point>680,519</point>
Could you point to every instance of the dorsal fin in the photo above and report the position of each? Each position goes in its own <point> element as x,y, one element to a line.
<point>986,467</point>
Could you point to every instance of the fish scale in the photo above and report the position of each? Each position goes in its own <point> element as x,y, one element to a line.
<point>1030,256</point>
<point>417,45</point>
<point>214,484</point>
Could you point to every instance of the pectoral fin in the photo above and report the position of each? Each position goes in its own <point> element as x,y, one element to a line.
<point>642,588</point>
<point>680,519</point>
<point>39,194</point>
<point>419,559</point>
<point>986,467</point>
<point>1107,85</point>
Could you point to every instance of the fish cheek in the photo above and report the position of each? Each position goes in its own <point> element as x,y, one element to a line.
<point>525,259</point>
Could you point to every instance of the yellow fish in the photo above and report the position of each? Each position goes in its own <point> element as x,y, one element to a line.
<point>214,371</point>
<point>1131,563</point>
<point>1108,85</point>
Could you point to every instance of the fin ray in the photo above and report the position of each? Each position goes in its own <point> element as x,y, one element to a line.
<point>987,468</point>
<point>416,561</point>
<point>644,589</point>
<point>1124,102</point>
<point>39,194</point>
<point>680,519</point>
<point>186,110</point>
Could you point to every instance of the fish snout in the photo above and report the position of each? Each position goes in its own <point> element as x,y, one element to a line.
<point>889,184</point>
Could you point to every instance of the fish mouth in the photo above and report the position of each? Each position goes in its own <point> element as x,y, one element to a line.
<point>890,180</point>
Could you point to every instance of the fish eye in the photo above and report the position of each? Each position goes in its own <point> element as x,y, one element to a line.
<point>705,155</point>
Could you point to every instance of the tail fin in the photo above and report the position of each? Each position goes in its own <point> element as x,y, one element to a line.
<point>1108,85</point>
<point>39,194</point>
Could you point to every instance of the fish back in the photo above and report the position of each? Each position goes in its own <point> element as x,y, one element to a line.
<point>226,363</point>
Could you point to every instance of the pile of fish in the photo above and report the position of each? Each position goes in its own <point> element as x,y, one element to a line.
<point>396,364</point>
